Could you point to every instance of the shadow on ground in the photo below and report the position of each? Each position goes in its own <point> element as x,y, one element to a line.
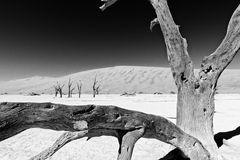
<point>225,135</point>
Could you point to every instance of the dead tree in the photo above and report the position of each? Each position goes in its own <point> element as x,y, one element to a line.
<point>95,87</point>
<point>55,90</point>
<point>195,102</point>
<point>58,89</point>
<point>79,87</point>
<point>94,121</point>
<point>70,89</point>
<point>61,90</point>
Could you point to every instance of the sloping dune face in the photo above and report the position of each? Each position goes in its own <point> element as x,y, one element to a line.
<point>116,80</point>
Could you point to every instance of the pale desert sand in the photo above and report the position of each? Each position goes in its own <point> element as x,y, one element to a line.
<point>116,80</point>
<point>32,141</point>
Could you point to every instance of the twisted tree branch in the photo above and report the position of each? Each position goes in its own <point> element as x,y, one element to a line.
<point>98,120</point>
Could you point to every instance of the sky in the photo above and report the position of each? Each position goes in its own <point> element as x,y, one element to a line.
<point>60,37</point>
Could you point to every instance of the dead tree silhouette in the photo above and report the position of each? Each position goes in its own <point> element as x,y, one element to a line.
<point>70,89</point>
<point>79,87</point>
<point>58,89</point>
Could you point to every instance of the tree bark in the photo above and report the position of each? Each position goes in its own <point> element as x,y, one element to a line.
<point>98,120</point>
<point>195,102</point>
<point>61,141</point>
<point>127,143</point>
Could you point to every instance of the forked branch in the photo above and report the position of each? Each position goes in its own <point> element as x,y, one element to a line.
<point>180,61</point>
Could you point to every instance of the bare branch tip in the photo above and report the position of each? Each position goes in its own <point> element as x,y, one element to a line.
<point>106,4</point>
<point>102,7</point>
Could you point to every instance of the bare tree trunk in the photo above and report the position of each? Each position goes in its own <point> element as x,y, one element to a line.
<point>58,89</point>
<point>195,116</point>
<point>70,89</point>
<point>95,87</point>
<point>79,86</point>
<point>60,92</point>
<point>195,103</point>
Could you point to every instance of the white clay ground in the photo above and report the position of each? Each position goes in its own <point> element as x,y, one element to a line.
<point>30,142</point>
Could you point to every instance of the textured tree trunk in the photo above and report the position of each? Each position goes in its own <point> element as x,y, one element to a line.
<point>195,103</point>
<point>79,87</point>
<point>195,116</point>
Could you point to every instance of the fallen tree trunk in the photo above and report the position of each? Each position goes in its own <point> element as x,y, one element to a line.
<point>97,120</point>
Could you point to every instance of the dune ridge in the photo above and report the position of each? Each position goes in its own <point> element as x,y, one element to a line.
<point>116,80</point>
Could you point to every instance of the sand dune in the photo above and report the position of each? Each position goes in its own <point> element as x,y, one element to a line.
<point>116,80</point>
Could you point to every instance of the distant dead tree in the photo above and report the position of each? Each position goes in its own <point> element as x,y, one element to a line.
<point>79,87</point>
<point>70,89</point>
<point>55,90</point>
<point>96,86</point>
<point>58,89</point>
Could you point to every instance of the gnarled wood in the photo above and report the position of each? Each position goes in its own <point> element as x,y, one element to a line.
<point>98,120</point>
<point>195,105</point>
<point>180,61</point>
